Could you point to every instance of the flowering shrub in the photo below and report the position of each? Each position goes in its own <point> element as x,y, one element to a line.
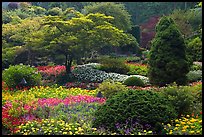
<point>186,125</point>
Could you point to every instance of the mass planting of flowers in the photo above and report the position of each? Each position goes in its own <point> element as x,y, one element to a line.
<point>69,109</point>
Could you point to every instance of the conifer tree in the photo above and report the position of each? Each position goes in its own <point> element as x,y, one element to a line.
<point>168,62</point>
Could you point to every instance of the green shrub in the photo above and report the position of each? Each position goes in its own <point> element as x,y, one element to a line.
<point>196,67</point>
<point>181,97</point>
<point>138,69</point>
<point>194,49</point>
<point>14,75</point>
<point>194,76</point>
<point>113,65</point>
<point>168,62</point>
<point>108,88</point>
<point>145,107</point>
<point>134,81</point>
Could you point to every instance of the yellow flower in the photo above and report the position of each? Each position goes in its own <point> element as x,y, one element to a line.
<point>145,131</point>
<point>200,121</point>
<point>192,132</point>
<point>193,120</point>
<point>64,133</point>
<point>168,125</point>
<point>187,116</point>
<point>176,128</point>
<point>70,132</point>
<point>176,120</point>
<point>113,134</point>
<point>150,132</point>
<point>198,131</point>
<point>170,133</point>
<point>183,123</point>
<point>192,126</point>
<point>80,129</point>
<point>185,127</point>
<point>183,130</point>
<point>177,125</point>
<point>94,128</point>
<point>139,133</point>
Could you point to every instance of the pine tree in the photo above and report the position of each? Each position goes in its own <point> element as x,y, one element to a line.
<point>168,62</point>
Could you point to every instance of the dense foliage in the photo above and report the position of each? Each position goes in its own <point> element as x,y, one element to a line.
<point>122,18</point>
<point>14,75</point>
<point>135,106</point>
<point>134,81</point>
<point>168,62</point>
<point>109,88</point>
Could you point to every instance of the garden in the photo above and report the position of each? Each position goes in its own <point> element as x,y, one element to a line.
<point>73,68</point>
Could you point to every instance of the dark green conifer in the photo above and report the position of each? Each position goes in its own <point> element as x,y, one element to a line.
<point>168,62</point>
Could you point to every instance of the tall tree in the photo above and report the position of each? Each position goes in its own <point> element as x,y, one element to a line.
<point>122,18</point>
<point>168,62</point>
<point>76,37</point>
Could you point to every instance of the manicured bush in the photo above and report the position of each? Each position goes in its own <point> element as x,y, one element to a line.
<point>144,106</point>
<point>134,81</point>
<point>113,65</point>
<point>168,62</point>
<point>194,76</point>
<point>14,75</point>
<point>109,88</point>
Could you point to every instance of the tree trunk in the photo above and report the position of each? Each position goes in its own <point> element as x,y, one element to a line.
<point>68,64</point>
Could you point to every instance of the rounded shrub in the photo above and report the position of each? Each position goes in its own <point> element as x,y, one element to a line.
<point>14,75</point>
<point>145,107</point>
<point>181,97</point>
<point>194,76</point>
<point>108,88</point>
<point>134,81</point>
<point>168,62</point>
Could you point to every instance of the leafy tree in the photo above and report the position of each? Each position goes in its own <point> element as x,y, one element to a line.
<point>122,18</point>
<point>16,34</point>
<point>168,62</point>
<point>78,36</point>
<point>181,20</point>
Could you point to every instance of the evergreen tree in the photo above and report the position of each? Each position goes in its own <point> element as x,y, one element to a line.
<point>168,62</point>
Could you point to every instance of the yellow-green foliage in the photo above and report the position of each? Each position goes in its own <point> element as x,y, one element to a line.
<point>109,88</point>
